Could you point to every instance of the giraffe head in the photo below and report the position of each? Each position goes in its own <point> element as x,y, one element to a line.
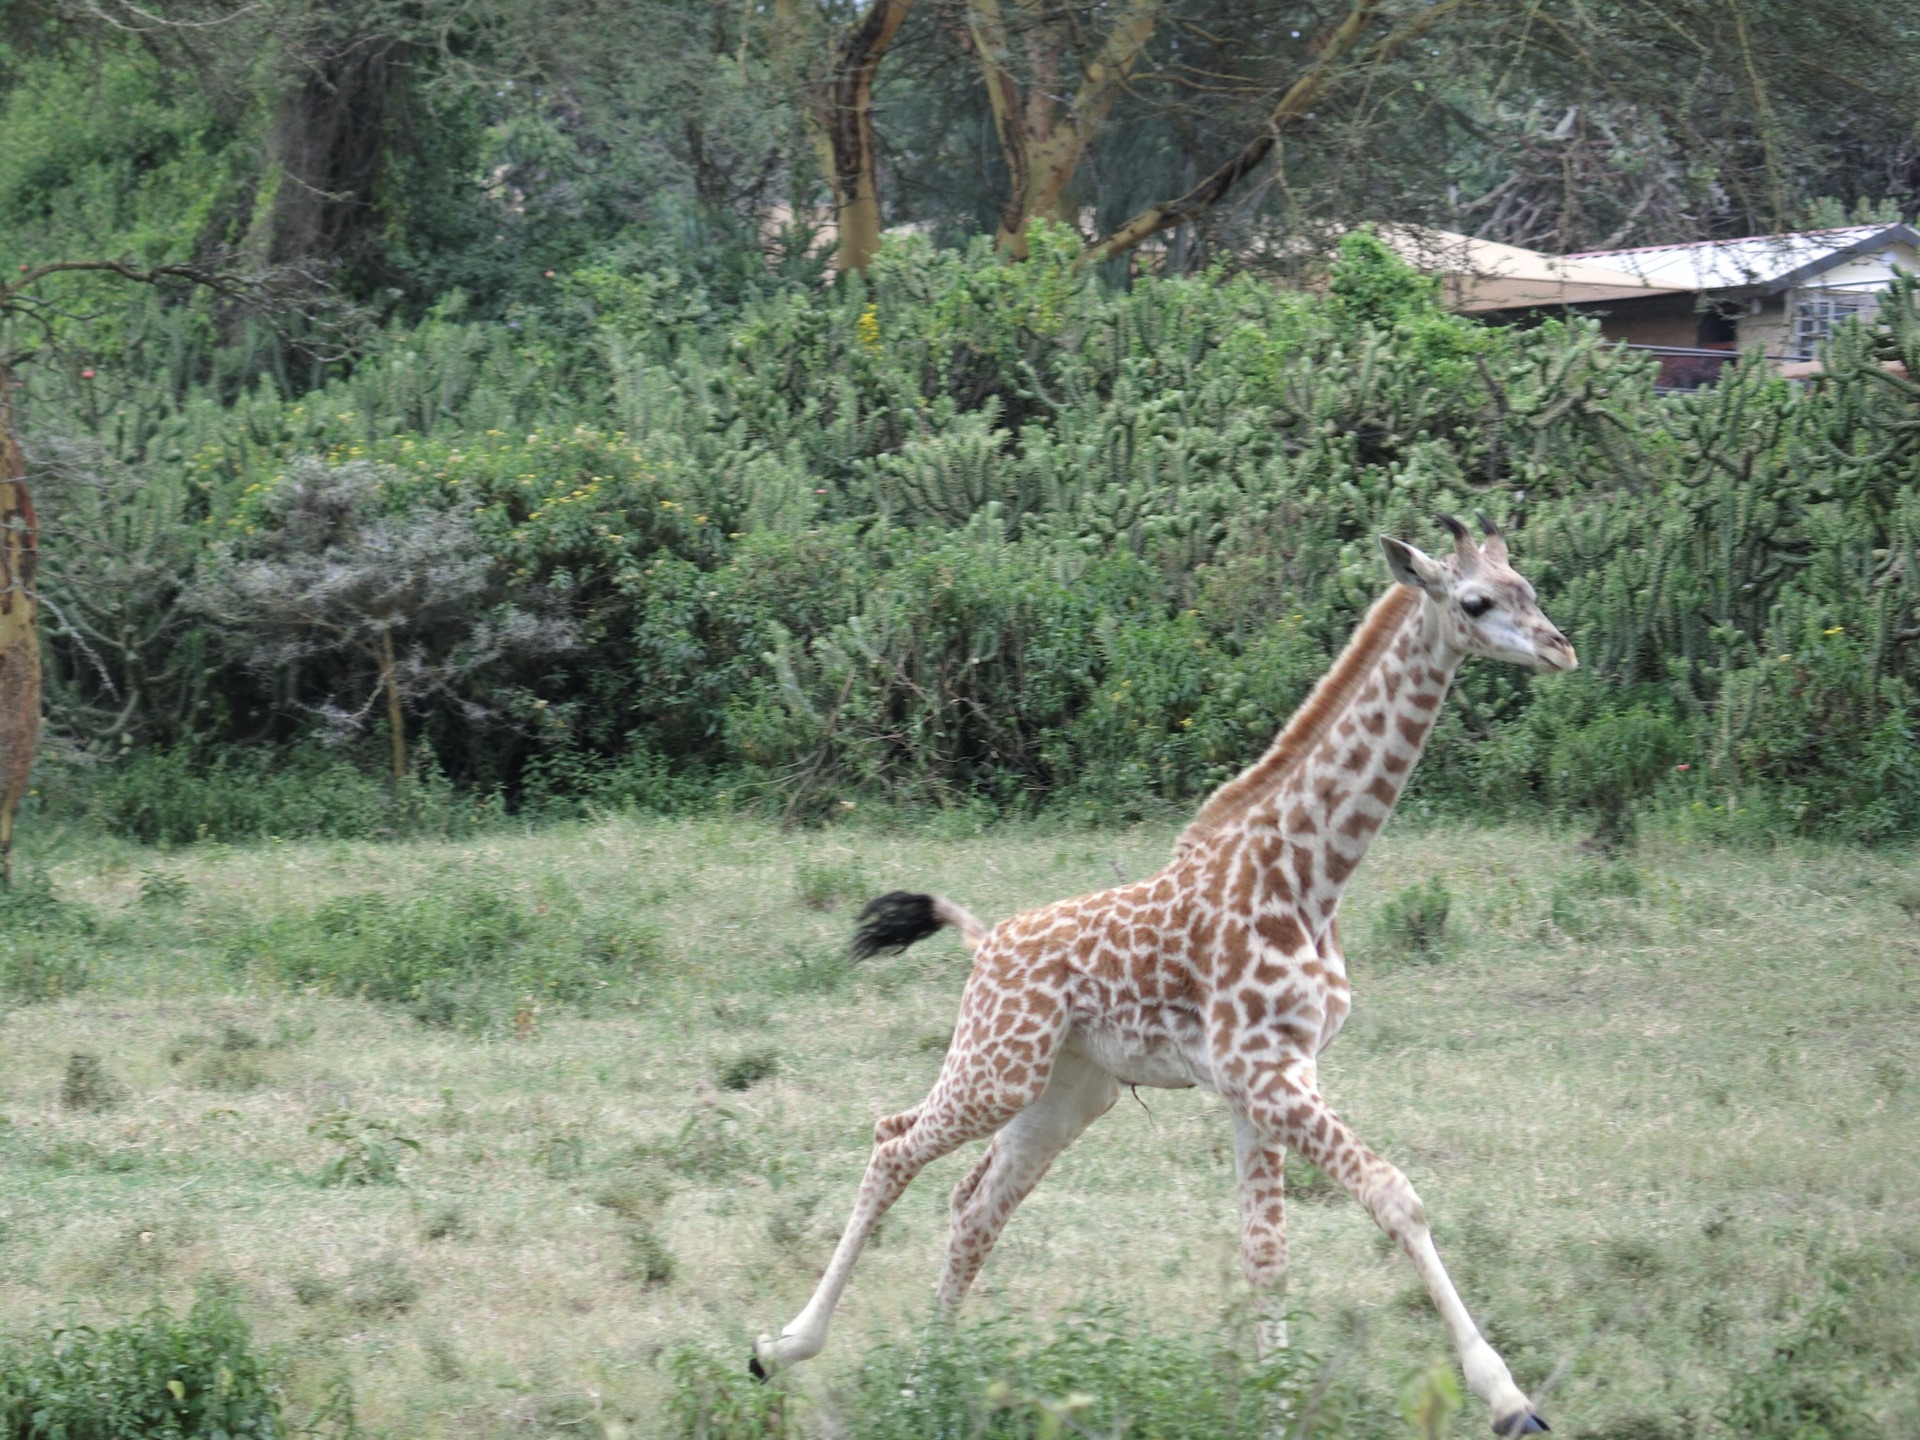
<point>1486,607</point>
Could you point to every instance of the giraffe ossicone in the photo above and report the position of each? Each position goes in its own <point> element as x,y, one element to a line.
<point>1224,970</point>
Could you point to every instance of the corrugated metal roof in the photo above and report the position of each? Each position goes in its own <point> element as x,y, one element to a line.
<point>1480,275</point>
<point>1766,262</point>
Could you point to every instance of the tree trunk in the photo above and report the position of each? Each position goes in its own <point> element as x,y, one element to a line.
<point>1044,131</point>
<point>396,718</point>
<point>842,116</point>
<point>19,628</point>
<point>1293,106</point>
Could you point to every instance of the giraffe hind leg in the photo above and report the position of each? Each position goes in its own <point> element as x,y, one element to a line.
<point>1078,1093</point>
<point>983,1085</point>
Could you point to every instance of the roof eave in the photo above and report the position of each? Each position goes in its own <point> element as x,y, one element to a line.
<point>1892,234</point>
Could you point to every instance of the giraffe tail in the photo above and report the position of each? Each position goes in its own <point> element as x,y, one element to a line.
<point>900,917</point>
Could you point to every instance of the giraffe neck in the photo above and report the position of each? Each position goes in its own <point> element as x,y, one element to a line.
<point>1326,809</point>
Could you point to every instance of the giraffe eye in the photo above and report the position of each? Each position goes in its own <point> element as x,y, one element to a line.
<point>1477,606</point>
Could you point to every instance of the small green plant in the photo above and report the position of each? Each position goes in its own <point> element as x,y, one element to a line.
<point>1430,1400</point>
<point>43,954</point>
<point>634,1197</point>
<point>561,1153</point>
<point>1093,1372</point>
<point>88,1085</point>
<point>163,889</point>
<point>310,1287</point>
<point>1413,923</point>
<point>743,1072</point>
<point>196,1378</point>
<point>462,955</point>
<point>716,1400</point>
<point>648,1259</point>
<point>380,1286</point>
<point>446,1222</point>
<point>228,1060</point>
<point>709,1146</point>
<point>369,1150</point>
<point>821,885</point>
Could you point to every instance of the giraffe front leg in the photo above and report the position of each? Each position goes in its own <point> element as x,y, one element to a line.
<point>1261,1167</point>
<point>1281,1099</point>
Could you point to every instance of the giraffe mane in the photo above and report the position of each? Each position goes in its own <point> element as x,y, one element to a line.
<point>1310,723</point>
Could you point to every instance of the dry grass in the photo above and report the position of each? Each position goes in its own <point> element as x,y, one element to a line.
<point>1655,1112</point>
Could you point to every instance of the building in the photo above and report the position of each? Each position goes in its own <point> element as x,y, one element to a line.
<point>1694,305</point>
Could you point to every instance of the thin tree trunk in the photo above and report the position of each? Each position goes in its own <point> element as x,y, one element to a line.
<point>396,718</point>
<point>1293,106</point>
<point>19,629</point>
<point>845,118</point>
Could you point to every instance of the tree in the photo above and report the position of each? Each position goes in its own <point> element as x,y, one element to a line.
<point>19,629</point>
<point>329,566</point>
<point>20,670</point>
<point>838,103</point>
<point>1048,103</point>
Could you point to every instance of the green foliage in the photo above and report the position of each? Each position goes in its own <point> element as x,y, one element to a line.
<point>88,1084</point>
<point>1094,1373</point>
<point>648,1259</point>
<point>1809,1388</point>
<point>1413,924</point>
<point>178,797</point>
<point>367,1151</point>
<point>43,949</point>
<point>1608,766</point>
<point>155,1378</point>
<point>743,1072</point>
<point>460,955</point>
<point>994,539</point>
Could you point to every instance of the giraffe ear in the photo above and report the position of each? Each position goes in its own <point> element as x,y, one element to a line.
<point>1412,566</point>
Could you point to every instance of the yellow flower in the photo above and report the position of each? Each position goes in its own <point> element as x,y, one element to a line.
<point>867,327</point>
<point>1836,630</point>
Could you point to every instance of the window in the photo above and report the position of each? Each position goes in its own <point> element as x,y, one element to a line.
<point>1819,313</point>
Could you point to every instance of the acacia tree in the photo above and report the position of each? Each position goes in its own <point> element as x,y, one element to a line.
<point>328,568</point>
<point>22,302</point>
<point>1050,88</point>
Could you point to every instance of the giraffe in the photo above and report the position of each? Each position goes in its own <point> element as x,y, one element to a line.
<point>1223,970</point>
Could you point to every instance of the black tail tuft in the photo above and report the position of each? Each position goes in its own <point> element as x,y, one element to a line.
<point>893,922</point>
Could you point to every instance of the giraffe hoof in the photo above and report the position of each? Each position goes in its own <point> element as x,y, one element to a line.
<point>1524,1422</point>
<point>756,1369</point>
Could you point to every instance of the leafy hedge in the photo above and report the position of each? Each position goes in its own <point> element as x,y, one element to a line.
<point>970,533</point>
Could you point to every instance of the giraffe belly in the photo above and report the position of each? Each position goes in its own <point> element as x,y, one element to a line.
<point>1159,1057</point>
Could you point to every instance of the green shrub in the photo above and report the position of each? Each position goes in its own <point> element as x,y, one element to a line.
<point>995,538</point>
<point>460,955</point>
<point>1610,766</point>
<point>1095,1372</point>
<point>648,1259</point>
<point>743,1072</point>
<point>43,940</point>
<point>1413,924</point>
<point>196,1378</point>
<point>88,1085</point>
<point>822,885</point>
<point>367,1152</point>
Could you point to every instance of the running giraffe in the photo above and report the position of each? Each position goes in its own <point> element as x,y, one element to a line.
<point>1223,970</point>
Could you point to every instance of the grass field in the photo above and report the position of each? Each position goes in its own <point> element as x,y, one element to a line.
<point>1661,1111</point>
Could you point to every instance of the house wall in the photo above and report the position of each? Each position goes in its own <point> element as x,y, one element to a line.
<point>1664,320</point>
<point>1771,329</point>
